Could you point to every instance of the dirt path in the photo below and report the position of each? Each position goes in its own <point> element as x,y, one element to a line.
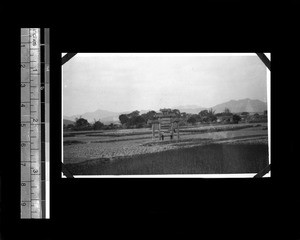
<point>136,145</point>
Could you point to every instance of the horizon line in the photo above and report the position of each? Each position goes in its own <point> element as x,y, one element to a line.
<point>162,108</point>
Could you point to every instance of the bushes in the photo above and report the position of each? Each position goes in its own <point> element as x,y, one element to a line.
<point>82,124</point>
<point>258,121</point>
<point>236,118</point>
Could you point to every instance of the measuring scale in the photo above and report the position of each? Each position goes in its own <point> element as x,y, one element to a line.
<point>33,127</point>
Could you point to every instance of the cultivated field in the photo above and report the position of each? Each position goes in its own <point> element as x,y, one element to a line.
<point>233,148</point>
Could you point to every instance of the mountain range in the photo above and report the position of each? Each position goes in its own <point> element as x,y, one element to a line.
<point>243,105</point>
<point>235,106</point>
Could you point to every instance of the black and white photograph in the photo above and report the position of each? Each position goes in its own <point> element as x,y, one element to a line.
<point>166,114</point>
<point>151,124</point>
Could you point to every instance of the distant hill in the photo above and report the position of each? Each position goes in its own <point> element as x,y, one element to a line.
<point>104,116</point>
<point>235,106</point>
<point>195,110</point>
<point>243,105</point>
<point>67,122</point>
<point>186,107</point>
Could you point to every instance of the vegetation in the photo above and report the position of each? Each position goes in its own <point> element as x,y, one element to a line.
<point>149,115</point>
<point>137,120</point>
<point>123,119</point>
<point>98,125</point>
<point>110,152</point>
<point>192,120</point>
<point>82,124</point>
<point>236,118</point>
<point>211,115</point>
<point>245,114</point>
<point>227,112</point>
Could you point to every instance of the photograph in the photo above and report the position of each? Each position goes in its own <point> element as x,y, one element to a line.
<point>165,114</point>
<point>164,124</point>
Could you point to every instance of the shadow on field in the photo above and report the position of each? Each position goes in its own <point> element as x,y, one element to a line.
<point>208,159</point>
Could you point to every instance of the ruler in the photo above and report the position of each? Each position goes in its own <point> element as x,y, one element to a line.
<point>34,106</point>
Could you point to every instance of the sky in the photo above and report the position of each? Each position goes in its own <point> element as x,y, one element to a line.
<point>126,82</point>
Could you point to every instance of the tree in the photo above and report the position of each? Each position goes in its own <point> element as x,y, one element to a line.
<point>176,111</point>
<point>212,118</point>
<point>192,120</point>
<point>133,114</point>
<point>136,120</point>
<point>197,117</point>
<point>236,118</point>
<point>183,114</point>
<point>123,118</point>
<point>207,115</point>
<point>227,112</point>
<point>203,113</point>
<point>98,125</point>
<point>205,119</point>
<point>211,115</point>
<point>151,115</point>
<point>81,124</point>
<point>148,116</point>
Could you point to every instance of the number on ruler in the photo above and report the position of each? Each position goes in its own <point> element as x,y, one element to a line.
<point>35,171</point>
<point>23,204</point>
<point>23,184</point>
<point>22,65</point>
<point>23,125</point>
<point>23,164</point>
<point>23,85</point>
<point>34,38</point>
<point>23,144</point>
<point>35,120</point>
<point>22,105</point>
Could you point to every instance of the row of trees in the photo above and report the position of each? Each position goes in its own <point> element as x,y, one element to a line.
<point>135,120</point>
<point>82,124</point>
<point>203,116</point>
<point>209,116</point>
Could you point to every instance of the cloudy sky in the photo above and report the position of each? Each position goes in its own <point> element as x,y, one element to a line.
<point>127,82</point>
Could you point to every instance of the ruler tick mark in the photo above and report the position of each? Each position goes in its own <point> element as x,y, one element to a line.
<point>33,66</point>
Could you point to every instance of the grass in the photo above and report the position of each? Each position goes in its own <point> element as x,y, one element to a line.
<point>118,134</point>
<point>118,140</point>
<point>217,129</point>
<point>147,134</point>
<point>208,159</point>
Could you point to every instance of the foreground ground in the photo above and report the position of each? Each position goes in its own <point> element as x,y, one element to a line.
<point>234,148</point>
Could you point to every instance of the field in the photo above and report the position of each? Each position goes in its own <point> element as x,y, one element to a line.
<point>232,148</point>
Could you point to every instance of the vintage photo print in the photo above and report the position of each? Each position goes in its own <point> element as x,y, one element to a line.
<point>165,115</point>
